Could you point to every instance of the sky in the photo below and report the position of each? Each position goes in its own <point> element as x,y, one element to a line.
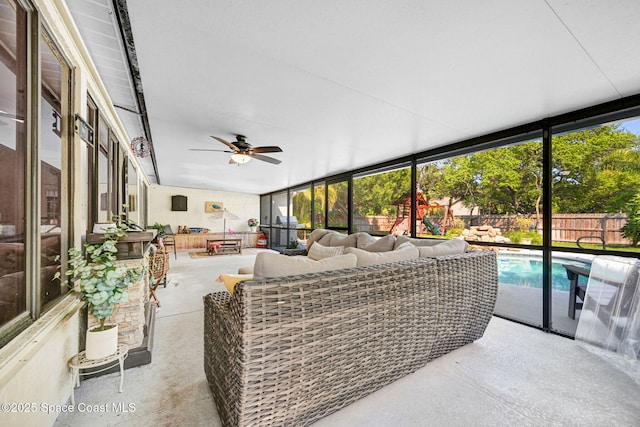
<point>632,126</point>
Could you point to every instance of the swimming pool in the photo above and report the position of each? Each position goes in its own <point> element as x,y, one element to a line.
<point>526,270</point>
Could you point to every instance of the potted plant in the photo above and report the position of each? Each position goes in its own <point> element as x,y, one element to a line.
<point>102,283</point>
<point>253,224</point>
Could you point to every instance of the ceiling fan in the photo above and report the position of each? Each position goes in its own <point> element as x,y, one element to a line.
<point>243,151</point>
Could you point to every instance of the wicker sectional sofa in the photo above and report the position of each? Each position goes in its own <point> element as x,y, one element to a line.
<point>291,350</point>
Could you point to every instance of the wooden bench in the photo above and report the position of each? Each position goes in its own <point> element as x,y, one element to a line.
<point>224,246</point>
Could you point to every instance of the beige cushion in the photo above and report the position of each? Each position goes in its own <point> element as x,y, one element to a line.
<point>404,245</point>
<point>364,239</point>
<point>334,238</point>
<point>448,247</point>
<point>247,269</point>
<point>374,258</point>
<point>318,251</point>
<point>417,242</point>
<point>316,235</point>
<point>275,265</point>
<point>383,244</point>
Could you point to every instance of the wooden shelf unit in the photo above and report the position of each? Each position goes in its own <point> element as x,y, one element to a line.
<point>186,242</point>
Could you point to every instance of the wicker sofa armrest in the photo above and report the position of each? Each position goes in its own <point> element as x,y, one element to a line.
<point>222,346</point>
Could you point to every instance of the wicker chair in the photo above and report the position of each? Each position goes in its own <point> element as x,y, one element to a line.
<point>292,350</point>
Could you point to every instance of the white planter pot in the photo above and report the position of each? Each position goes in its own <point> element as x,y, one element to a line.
<point>253,229</point>
<point>102,343</point>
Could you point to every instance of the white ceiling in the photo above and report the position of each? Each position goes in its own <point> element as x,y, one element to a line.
<point>345,84</point>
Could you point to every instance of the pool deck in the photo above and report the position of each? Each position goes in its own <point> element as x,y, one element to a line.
<point>524,304</point>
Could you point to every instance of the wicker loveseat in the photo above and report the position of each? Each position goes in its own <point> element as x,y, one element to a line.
<point>291,350</point>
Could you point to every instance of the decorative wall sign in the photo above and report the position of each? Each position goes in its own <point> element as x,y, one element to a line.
<point>141,147</point>
<point>214,207</point>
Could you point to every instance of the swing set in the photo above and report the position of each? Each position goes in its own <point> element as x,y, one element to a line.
<point>436,219</point>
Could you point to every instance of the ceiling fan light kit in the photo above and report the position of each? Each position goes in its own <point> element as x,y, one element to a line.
<point>240,158</point>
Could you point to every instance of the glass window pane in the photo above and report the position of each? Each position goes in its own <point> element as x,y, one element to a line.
<point>103,171</point>
<point>596,176</point>
<point>13,299</point>
<point>265,211</point>
<point>133,208</point>
<point>51,140</point>
<point>279,230</point>
<point>491,196</point>
<point>382,202</point>
<point>319,205</point>
<point>337,203</point>
<point>301,210</point>
<point>596,206</point>
<point>499,188</point>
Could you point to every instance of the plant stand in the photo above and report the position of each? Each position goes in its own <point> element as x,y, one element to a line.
<point>79,361</point>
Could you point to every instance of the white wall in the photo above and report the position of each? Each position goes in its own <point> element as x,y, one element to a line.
<point>240,205</point>
<point>33,366</point>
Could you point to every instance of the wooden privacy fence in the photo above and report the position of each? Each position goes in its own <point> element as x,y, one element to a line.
<point>564,227</point>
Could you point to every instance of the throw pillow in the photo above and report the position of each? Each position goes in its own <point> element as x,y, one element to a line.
<point>230,280</point>
<point>270,265</point>
<point>316,235</point>
<point>364,239</point>
<point>373,258</point>
<point>448,247</point>
<point>318,251</point>
<point>383,244</point>
<point>338,239</point>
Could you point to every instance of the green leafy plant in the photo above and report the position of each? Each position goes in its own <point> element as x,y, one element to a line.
<point>158,227</point>
<point>253,222</point>
<point>102,282</point>
<point>293,244</point>
<point>631,230</point>
<point>517,236</point>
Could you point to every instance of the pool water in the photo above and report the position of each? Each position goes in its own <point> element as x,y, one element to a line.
<point>527,271</point>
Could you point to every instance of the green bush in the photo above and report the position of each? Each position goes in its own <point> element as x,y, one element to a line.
<point>631,230</point>
<point>517,236</point>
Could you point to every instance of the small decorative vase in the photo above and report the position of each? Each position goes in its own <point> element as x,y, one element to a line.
<point>253,228</point>
<point>101,344</point>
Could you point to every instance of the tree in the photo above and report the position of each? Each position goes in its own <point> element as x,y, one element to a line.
<point>593,170</point>
<point>631,230</point>
<point>378,194</point>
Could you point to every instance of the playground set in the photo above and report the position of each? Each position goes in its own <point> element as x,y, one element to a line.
<point>435,218</point>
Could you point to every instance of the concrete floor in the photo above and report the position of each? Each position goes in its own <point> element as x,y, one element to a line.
<point>514,375</point>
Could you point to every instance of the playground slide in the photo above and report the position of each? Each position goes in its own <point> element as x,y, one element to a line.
<point>433,229</point>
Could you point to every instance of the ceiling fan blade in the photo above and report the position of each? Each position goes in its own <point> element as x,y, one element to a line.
<point>268,149</point>
<point>209,149</point>
<point>228,144</point>
<point>266,159</point>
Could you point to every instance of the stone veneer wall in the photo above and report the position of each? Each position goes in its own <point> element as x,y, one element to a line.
<point>130,315</point>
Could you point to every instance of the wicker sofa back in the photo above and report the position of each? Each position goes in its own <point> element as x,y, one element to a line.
<point>292,350</point>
